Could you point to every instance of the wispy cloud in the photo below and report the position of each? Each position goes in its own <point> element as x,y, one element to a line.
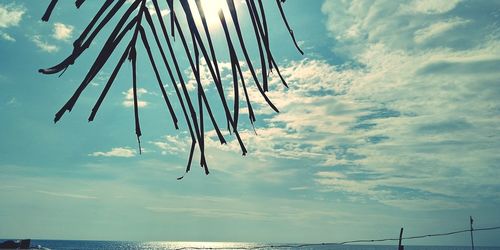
<point>210,212</point>
<point>246,209</point>
<point>429,6</point>
<point>298,188</point>
<point>6,37</point>
<point>43,45</point>
<point>360,23</point>
<point>437,29</point>
<point>67,195</point>
<point>129,98</point>
<point>172,144</point>
<point>116,152</point>
<point>414,124</point>
<point>100,79</point>
<point>205,75</point>
<point>62,31</point>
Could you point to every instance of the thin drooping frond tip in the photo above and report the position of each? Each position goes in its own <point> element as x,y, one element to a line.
<point>283,16</point>
<point>200,46</point>
<point>157,74</point>
<point>108,84</point>
<point>194,68</point>
<point>139,145</point>
<point>194,136</point>
<point>251,6</point>
<point>261,31</point>
<point>236,24</point>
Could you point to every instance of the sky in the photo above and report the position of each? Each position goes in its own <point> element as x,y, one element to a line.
<point>391,120</point>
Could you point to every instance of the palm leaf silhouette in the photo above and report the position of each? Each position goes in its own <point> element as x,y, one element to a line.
<point>137,19</point>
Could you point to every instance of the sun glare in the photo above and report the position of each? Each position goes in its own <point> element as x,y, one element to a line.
<point>211,9</point>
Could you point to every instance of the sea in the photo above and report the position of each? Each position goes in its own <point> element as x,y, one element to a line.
<point>160,245</point>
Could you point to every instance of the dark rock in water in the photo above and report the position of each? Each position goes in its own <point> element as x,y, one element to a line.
<point>10,244</point>
<point>25,244</point>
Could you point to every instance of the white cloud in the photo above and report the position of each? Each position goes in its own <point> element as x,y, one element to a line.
<point>359,23</point>
<point>6,37</point>
<point>10,15</point>
<point>430,6</point>
<point>416,109</point>
<point>62,31</point>
<point>437,29</point>
<point>43,45</point>
<point>422,106</point>
<point>129,98</point>
<point>152,11</point>
<point>415,113</point>
<point>116,152</point>
<point>205,75</point>
<point>172,144</point>
<point>302,188</point>
<point>100,79</point>
<point>388,117</point>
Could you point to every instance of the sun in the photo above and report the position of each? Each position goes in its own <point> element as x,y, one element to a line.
<point>211,9</point>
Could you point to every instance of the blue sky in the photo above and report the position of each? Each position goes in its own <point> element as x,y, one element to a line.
<point>392,119</point>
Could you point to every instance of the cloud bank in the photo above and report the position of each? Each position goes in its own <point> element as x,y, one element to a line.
<point>410,121</point>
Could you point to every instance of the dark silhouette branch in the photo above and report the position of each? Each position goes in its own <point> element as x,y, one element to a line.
<point>79,3</point>
<point>279,3</point>
<point>49,10</point>
<point>200,46</point>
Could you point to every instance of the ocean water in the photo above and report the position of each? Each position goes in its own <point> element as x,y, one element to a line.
<point>160,245</point>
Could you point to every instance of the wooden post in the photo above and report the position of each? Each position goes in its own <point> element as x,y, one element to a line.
<point>401,247</point>
<point>471,230</point>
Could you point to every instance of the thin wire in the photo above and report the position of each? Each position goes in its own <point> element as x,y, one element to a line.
<point>340,243</point>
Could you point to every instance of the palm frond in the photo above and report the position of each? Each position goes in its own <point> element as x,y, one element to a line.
<point>134,20</point>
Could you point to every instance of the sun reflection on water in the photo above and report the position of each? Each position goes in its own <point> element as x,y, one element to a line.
<point>196,245</point>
